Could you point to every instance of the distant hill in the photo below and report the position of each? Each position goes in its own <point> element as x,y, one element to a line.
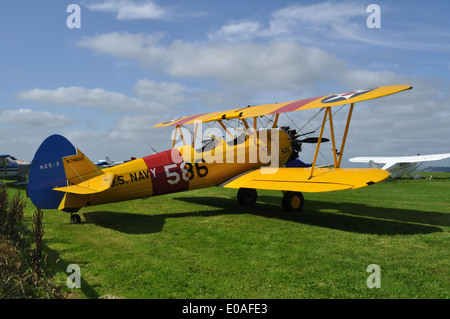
<point>436,169</point>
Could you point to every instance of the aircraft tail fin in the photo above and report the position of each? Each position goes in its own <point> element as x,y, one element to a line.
<point>60,173</point>
<point>371,164</point>
<point>47,171</point>
<point>79,168</point>
<point>108,160</point>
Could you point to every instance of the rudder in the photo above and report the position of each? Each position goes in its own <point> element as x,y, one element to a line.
<point>47,171</point>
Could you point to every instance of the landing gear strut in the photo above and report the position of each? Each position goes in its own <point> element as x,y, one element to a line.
<point>293,202</point>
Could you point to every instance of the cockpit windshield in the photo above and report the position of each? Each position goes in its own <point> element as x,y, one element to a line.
<point>214,141</point>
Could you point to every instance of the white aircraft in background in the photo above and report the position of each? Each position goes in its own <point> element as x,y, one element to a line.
<point>399,165</point>
<point>107,162</point>
<point>12,167</point>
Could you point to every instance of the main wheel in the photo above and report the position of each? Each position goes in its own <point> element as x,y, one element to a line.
<point>247,196</point>
<point>75,219</point>
<point>293,202</point>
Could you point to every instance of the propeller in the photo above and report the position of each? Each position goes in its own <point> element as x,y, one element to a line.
<point>297,144</point>
<point>314,140</point>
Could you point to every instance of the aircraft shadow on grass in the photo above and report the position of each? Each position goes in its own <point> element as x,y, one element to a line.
<point>349,217</point>
<point>61,266</point>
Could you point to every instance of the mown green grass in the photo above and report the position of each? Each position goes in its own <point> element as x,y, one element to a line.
<point>203,244</point>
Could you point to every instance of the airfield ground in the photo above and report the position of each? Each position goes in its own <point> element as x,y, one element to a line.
<point>203,244</point>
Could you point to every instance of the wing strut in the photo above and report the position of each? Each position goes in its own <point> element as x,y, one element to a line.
<point>344,139</point>
<point>178,127</point>
<point>337,160</point>
<point>275,122</point>
<point>195,133</point>
<point>225,128</point>
<point>318,144</point>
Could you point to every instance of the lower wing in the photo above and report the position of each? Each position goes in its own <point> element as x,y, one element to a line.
<point>299,180</point>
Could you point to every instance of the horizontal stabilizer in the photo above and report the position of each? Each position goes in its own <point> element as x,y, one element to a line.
<point>93,185</point>
<point>298,179</point>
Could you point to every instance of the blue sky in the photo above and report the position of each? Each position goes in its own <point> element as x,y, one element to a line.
<point>133,64</point>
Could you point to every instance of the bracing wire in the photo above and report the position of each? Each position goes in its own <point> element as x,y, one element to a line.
<point>309,121</point>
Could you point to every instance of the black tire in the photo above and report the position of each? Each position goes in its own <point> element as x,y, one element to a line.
<point>247,196</point>
<point>293,202</point>
<point>75,219</point>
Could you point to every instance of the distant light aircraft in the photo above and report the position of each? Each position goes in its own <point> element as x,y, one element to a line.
<point>399,165</point>
<point>107,162</point>
<point>62,177</point>
<point>12,167</point>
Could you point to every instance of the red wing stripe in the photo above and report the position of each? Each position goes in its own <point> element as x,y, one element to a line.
<point>295,105</point>
<point>187,119</point>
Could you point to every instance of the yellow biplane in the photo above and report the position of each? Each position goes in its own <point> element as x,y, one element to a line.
<point>253,157</point>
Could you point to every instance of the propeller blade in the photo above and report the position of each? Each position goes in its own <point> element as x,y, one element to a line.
<point>314,140</point>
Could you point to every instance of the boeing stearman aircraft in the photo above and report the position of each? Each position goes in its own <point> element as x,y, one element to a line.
<point>257,156</point>
<point>399,165</point>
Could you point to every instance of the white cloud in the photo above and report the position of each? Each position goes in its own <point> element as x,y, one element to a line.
<point>138,46</point>
<point>367,79</point>
<point>107,100</point>
<point>331,23</point>
<point>278,65</point>
<point>137,123</point>
<point>315,16</point>
<point>27,117</point>
<point>131,10</point>
<point>297,21</point>
<point>237,31</point>
<point>165,93</point>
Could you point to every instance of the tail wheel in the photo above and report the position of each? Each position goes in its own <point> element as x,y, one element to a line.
<point>293,202</point>
<point>75,219</point>
<point>247,196</point>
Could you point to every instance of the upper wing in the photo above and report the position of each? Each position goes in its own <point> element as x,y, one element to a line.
<point>298,179</point>
<point>275,108</point>
<point>425,158</point>
<point>401,159</point>
<point>376,159</point>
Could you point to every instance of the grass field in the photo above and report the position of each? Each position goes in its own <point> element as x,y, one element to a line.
<point>203,244</point>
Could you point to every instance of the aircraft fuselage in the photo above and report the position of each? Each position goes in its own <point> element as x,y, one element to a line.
<point>183,168</point>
